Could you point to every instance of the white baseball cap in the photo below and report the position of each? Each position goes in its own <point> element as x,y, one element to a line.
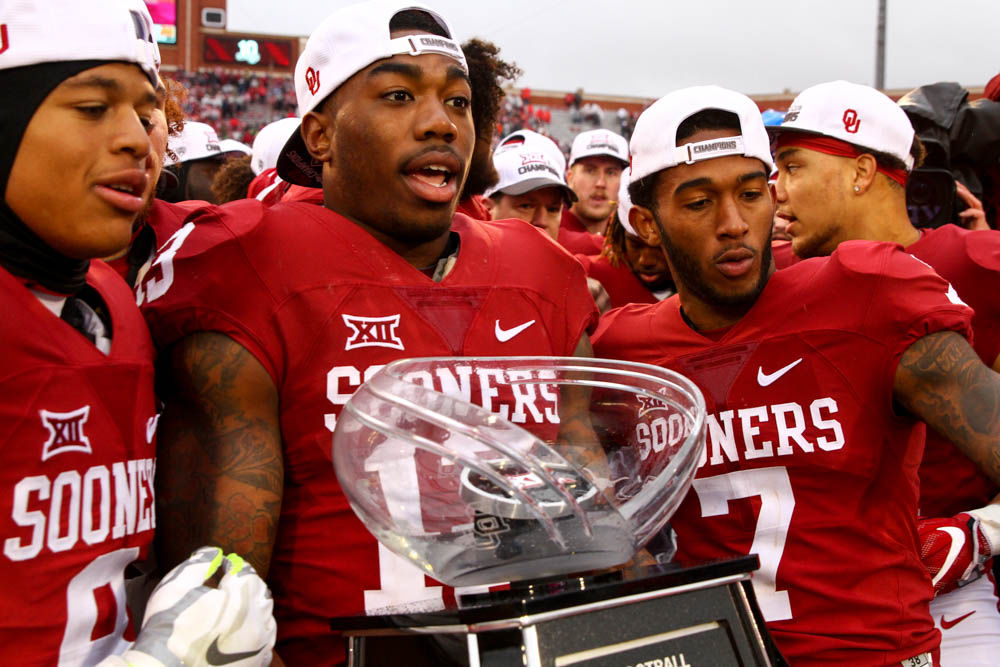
<point>45,31</point>
<point>269,142</point>
<point>346,42</point>
<point>625,203</point>
<point>853,113</point>
<point>598,143</point>
<point>233,146</point>
<point>196,141</point>
<point>527,162</point>
<point>654,146</point>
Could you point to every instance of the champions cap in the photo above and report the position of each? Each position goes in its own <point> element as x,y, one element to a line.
<point>227,146</point>
<point>346,42</point>
<point>852,113</point>
<point>599,143</point>
<point>527,161</point>
<point>44,31</point>
<point>269,141</point>
<point>654,146</point>
<point>196,141</point>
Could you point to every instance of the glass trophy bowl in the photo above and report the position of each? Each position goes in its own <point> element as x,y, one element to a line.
<point>488,470</point>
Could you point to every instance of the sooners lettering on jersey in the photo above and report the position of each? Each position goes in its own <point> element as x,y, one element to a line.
<point>805,463</point>
<point>334,308</point>
<point>76,484</point>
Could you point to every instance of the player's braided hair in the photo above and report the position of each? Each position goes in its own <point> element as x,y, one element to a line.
<point>614,241</point>
<point>176,93</point>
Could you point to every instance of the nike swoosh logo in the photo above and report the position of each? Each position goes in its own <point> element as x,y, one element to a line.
<point>216,657</point>
<point>504,335</point>
<point>764,379</point>
<point>950,624</point>
<point>957,542</point>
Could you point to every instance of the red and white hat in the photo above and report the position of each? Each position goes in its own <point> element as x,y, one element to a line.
<point>196,141</point>
<point>654,146</point>
<point>45,31</point>
<point>346,42</point>
<point>594,143</point>
<point>853,113</point>
<point>526,161</point>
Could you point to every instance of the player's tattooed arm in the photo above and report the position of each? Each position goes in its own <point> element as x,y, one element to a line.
<point>219,470</point>
<point>942,380</point>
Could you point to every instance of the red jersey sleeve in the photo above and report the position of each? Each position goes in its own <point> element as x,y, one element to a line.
<point>905,299</point>
<point>204,278</point>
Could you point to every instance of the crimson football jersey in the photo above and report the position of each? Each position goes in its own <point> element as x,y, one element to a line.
<point>806,463</point>
<point>970,261</point>
<point>323,305</point>
<point>77,428</point>
<point>619,281</point>
<point>573,235</point>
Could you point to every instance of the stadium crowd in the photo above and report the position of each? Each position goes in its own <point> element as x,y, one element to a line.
<point>226,259</point>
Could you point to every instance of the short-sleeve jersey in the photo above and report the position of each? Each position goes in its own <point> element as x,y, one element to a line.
<point>323,305</point>
<point>806,462</point>
<point>76,481</point>
<point>619,281</point>
<point>970,261</point>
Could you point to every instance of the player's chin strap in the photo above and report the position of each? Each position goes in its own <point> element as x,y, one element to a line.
<point>188,623</point>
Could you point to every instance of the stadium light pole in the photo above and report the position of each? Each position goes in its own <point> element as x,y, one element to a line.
<point>880,47</point>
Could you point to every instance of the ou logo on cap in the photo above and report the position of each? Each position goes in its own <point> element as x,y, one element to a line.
<point>851,121</point>
<point>4,44</point>
<point>312,80</point>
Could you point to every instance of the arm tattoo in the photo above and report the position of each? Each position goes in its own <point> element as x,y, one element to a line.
<point>219,472</point>
<point>941,380</point>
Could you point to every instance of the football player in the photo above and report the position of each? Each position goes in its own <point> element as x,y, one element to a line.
<point>631,270</point>
<point>270,318</point>
<point>815,379</point>
<point>530,184</point>
<point>77,412</point>
<point>596,160</point>
<point>844,154</point>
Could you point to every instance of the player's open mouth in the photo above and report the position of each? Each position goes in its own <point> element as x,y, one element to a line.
<point>123,190</point>
<point>735,263</point>
<point>433,176</point>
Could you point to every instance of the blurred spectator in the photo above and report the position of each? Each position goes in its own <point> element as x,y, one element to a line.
<point>236,105</point>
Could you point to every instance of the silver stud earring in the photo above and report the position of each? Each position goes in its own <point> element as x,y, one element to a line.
<point>857,189</point>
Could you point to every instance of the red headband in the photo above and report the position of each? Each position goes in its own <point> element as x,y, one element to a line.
<point>832,146</point>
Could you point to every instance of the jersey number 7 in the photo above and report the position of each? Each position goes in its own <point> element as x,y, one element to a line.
<point>776,505</point>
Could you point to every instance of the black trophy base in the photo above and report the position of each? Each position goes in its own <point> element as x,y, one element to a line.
<point>674,617</point>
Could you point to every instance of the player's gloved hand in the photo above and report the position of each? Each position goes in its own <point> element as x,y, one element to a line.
<point>189,623</point>
<point>955,550</point>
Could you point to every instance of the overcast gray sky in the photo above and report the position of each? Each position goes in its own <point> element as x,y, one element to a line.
<point>647,48</point>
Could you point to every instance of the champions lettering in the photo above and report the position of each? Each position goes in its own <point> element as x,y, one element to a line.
<point>437,43</point>
<point>537,166</point>
<point>102,503</point>
<point>714,146</point>
<point>486,387</point>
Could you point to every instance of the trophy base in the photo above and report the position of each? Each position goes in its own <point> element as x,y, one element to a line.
<point>671,616</point>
